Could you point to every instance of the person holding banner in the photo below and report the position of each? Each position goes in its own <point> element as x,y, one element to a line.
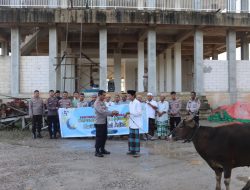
<point>65,102</point>
<point>81,102</point>
<point>135,123</point>
<point>93,99</point>
<point>52,116</point>
<point>36,112</point>
<point>162,118</point>
<point>108,101</point>
<point>102,113</point>
<point>117,100</point>
<point>151,108</point>
<point>75,99</point>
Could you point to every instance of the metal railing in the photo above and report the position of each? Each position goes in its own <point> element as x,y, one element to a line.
<point>192,5</point>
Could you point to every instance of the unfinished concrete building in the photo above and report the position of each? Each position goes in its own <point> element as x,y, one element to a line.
<point>73,45</point>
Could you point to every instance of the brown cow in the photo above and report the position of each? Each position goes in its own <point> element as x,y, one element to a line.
<point>223,148</point>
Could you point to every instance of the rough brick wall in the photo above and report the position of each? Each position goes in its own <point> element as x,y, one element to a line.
<point>34,74</point>
<point>243,76</point>
<point>215,76</point>
<point>4,74</point>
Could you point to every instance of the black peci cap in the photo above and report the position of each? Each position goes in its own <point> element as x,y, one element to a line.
<point>131,92</point>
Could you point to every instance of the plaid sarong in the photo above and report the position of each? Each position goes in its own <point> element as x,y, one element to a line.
<point>162,128</point>
<point>134,140</point>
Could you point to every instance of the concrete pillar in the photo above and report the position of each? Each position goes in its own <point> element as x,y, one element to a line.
<point>140,69</point>
<point>197,4</point>
<point>198,62</point>
<point>245,5</point>
<point>102,4</point>
<point>169,78</point>
<point>67,70</point>
<point>64,4</point>
<point>130,75</point>
<point>157,74</point>
<point>161,72</point>
<point>215,55</point>
<point>177,4</point>
<point>151,4</point>
<point>177,67</point>
<point>231,57</point>
<point>152,86</point>
<point>117,70</point>
<point>244,47</point>
<point>1,48</point>
<point>5,48</point>
<point>231,5</point>
<point>15,61</point>
<point>140,4</point>
<point>52,4</point>
<point>103,58</point>
<point>53,48</point>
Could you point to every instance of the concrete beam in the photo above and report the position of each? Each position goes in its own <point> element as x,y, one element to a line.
<point>142,35</point>
<point>32,41</point>
<point>115,16</point>
<point>181,37</point>
<point>114,38</point>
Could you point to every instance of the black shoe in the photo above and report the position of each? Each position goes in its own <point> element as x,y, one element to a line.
<point>98,154</point>
<point>39,136</point>
<point>34,136</point>
<point>105,152</point>
<point>136,155</point>
<point>130,153</point>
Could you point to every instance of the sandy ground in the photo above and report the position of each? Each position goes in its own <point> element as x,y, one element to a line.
<point>70,164</point>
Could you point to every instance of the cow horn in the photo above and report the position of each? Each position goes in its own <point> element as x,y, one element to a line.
<point>189,120</point>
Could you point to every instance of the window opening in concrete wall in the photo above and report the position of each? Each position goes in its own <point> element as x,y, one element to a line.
<point>122,84</point>
<point>223,56</point>
<point>238,6</point>
<point>1,48</point>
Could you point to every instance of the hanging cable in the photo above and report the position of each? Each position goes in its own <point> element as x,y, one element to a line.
<point>36,42</point>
